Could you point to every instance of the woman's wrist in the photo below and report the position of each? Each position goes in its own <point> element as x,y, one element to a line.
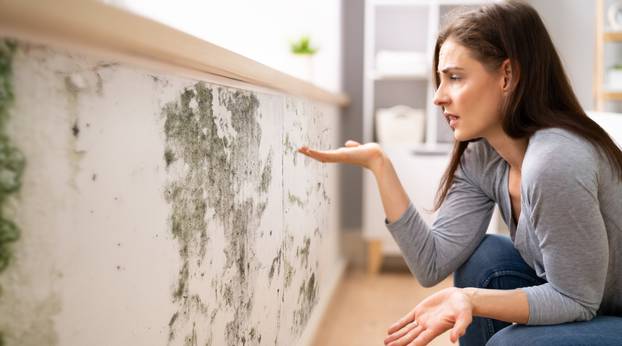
<point>378,163</point>
<point>471,294</point>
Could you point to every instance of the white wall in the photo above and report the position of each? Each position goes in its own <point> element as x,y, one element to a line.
<point>260,30</point>
<point>152,213</point>
<point>572,26</point>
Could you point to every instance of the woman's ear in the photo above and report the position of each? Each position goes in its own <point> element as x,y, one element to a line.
<point>507,75</point>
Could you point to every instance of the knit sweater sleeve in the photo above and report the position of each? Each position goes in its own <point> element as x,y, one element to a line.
<point>560,184</point>
<point>433,252</point>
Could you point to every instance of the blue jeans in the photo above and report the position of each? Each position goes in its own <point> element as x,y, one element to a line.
<point>496,264</point>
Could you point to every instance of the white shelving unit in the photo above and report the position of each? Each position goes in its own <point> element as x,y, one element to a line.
<point>409,26</point>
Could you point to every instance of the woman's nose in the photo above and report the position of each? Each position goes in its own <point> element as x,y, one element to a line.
<point>440,98</point>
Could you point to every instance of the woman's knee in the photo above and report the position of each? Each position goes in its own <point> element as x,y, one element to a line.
<point>521,335</point>
<point>602,330</point>
<point>492,250</point>
<point>510,336</point>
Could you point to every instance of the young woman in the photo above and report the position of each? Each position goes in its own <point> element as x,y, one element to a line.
<point>523,142</point>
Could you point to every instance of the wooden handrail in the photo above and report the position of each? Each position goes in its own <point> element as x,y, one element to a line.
<point>100,27</point>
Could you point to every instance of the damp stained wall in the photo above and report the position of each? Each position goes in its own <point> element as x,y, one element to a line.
<point>158,209</point>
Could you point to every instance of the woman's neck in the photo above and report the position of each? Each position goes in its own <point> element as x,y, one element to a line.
<point>510,149</point>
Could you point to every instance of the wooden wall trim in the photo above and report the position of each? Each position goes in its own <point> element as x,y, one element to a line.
<point>100,27</point>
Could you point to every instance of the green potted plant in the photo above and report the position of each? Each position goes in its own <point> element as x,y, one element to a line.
<point>303,52</point>
<point>303,46</point>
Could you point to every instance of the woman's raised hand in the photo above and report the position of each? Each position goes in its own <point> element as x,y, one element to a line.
<point>368,155</point>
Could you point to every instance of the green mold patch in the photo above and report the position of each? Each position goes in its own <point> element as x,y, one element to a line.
<point>295,200</point>
<point>12,161</point>
<point>307,296</point>
<point>217,163</point>
<point>303,252</point>
<point>276,264</point>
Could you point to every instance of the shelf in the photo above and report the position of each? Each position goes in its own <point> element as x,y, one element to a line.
<point>375,75</point>
<point>437,149</point>
<point>429,2</point>
<point>613,95</point>
<point>612,36</point>
<point>421,149</point>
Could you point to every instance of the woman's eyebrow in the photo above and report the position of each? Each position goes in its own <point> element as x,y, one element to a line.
<point>450,68</point>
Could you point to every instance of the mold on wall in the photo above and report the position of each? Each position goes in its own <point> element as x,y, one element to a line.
<point>217,165</point>
<point>11,159</point>
<point>165,210</point>
<point>11,162</point>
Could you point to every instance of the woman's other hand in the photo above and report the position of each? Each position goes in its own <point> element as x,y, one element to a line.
<point>450,308</point>
<point>368,155</point>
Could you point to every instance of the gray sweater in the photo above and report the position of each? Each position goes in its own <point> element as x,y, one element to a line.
<point>569,230</point>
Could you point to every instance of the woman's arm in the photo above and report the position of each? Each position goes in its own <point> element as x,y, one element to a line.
<point>394,197</point>
<point>504,305</point>
<point>370,156</point>
<point>432,253</point>
<point>561,179</point>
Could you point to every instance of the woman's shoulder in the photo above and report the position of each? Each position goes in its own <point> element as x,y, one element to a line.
<point>559,144</point>
<point>557,137</point>
<point>558,152</point>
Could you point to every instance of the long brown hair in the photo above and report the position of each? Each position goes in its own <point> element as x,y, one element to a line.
<point>541,98</point>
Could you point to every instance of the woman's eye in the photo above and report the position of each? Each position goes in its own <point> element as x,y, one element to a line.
<point>454,77</point>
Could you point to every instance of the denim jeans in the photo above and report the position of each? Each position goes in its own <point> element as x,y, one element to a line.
<point>496,264</point>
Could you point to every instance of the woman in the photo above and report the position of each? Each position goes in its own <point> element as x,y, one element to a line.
<point>523,142</point>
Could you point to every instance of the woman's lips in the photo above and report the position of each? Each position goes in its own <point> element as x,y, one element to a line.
<point>452,119</point>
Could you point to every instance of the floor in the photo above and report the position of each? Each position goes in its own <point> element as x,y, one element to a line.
<point>363,307</point>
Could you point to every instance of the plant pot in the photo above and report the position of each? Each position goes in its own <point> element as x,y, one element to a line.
<point>615,79</point>
<point>303,66</point>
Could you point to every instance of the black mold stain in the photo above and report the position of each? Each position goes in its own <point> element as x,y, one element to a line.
<point>293,199</point>
<point>266,175</point>
<point>276,264</point>
<point>217,169</point>
<point>75,129</point>
<point>169,157</point>
<point>289,149</point>
<point>289,273</point>
<point>303,252</point>
<point>306,301</point>
<point>12,161</point>
<point>99,88</point>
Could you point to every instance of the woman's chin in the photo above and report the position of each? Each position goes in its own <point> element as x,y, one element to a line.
<point>460,136</point>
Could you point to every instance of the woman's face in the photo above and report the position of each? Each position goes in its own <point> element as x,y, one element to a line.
<point>470,95</point>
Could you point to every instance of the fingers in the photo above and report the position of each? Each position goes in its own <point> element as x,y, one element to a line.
<point>323,156</point>
<point>402,322</point>
<point>400,333</point>
<point>462,322</point>
<point>351,143</point>
<point>424,338</point>
<point>405,336</point>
